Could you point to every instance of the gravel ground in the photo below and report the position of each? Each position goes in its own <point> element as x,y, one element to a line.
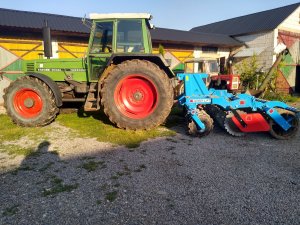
<point>218,179</point>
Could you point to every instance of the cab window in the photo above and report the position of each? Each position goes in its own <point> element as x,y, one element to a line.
<point>130,36</point>
<point>102,41</point>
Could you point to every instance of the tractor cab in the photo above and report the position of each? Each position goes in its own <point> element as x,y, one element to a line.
<point>215,79</point>
<point>207,65</point>
<point>117,34</point>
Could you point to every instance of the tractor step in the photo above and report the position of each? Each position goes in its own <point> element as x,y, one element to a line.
<point>92,99</point>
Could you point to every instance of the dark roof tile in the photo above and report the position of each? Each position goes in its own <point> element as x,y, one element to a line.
<point>253,23</point>
<point>34,20</point>
<point>163,34</point>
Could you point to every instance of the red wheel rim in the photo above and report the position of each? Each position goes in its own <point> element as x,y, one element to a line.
<point>136,96</point>
<point>28,103</point>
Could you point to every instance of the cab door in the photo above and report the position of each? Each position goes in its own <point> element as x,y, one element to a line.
<point>100,48</point>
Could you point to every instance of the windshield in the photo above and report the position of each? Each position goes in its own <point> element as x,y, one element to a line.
<point>130,36</point>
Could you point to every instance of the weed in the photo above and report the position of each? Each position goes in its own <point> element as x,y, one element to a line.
<point>58,187</point>
<point>111,196</point>
<point>47,166</point>
<point>117,185</point>
<point>169,148</point>
<point>98,202</point>
<point>141,167</point>
<point>114,177</point>
<point>88,158</point>
<point>11,210</point>
<point>93,165</point>
<point>172,140</point>
<point>104,187</point>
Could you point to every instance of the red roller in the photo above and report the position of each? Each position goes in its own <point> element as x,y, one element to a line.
<point>255,122</point>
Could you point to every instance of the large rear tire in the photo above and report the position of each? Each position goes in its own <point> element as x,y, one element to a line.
<point>30,102</point>
<point>137,95</point>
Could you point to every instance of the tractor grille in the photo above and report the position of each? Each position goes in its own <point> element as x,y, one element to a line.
<point>30,67</point>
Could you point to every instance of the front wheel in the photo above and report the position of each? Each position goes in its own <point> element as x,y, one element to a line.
<point>30,102</point>
<point>136,95</point>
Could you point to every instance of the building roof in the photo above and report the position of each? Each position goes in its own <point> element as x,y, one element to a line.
<point>252,23</point>
<point>33,20</point>
<point>200,39</point>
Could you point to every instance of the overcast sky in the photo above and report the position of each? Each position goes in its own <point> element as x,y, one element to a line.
<point>176,14</point>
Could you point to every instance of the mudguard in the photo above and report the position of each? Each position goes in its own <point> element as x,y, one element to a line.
<point>51,84</point>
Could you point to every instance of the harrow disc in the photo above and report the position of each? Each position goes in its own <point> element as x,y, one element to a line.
<point>277,132</point>
<point>217,114</point>
<point>231,128</point>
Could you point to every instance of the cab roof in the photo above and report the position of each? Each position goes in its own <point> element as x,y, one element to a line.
<point>96,16</point>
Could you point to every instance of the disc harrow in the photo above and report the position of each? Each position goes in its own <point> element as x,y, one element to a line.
<point>238,114</point>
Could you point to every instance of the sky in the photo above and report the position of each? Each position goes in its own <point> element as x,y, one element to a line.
<point>175,14</point>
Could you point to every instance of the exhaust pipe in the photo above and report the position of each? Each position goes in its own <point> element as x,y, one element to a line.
<point>47,40</point>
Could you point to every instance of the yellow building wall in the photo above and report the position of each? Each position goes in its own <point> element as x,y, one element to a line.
<point>33,49</point>
<point>25,49</point>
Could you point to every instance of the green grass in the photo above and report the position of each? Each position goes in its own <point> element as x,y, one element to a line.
<point>97,126</point>
<point>93,165</point>
<point>11,210</point>
<point>281,97</point>
<point>58,186</point>
<point>12,132</point>
<point>84,125</point>
<point>111,196</point>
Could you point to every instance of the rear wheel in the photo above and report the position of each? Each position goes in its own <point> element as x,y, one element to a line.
<point>30,102</point>
<point>277,132</point>
<point>137,94</point>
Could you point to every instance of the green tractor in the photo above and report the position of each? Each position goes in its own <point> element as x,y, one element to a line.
<point>119,74</point>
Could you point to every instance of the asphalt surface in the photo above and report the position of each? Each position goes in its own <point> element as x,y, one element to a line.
<point>218,179</point>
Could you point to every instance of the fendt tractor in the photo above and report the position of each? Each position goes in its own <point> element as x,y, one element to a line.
<point>119,74</point>
<point>135,87</point>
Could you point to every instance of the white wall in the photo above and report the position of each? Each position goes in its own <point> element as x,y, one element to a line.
<point>292,23</point>
<point>262,40</point>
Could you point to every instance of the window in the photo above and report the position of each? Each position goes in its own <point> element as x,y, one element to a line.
<point>102,42</point>
<point>130,36</point>
<point>207,49</point>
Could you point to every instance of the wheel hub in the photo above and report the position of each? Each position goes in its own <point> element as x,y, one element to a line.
<point>136,96</point>
<point>29,102</point>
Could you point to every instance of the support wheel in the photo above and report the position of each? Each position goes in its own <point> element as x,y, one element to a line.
<point>136,95</point>
<point>30,102</point>
<point>277,132</point>
<point>206,119</point>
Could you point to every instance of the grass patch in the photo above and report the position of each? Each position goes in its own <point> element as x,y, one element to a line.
<point>281,97</point>
<point>17,150</point>
<point>111,196</point>
<point>58,186</point>
<point>12,132</point>
<point>97,126</point>
<point>11,210</point>
<point>93,165</point>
